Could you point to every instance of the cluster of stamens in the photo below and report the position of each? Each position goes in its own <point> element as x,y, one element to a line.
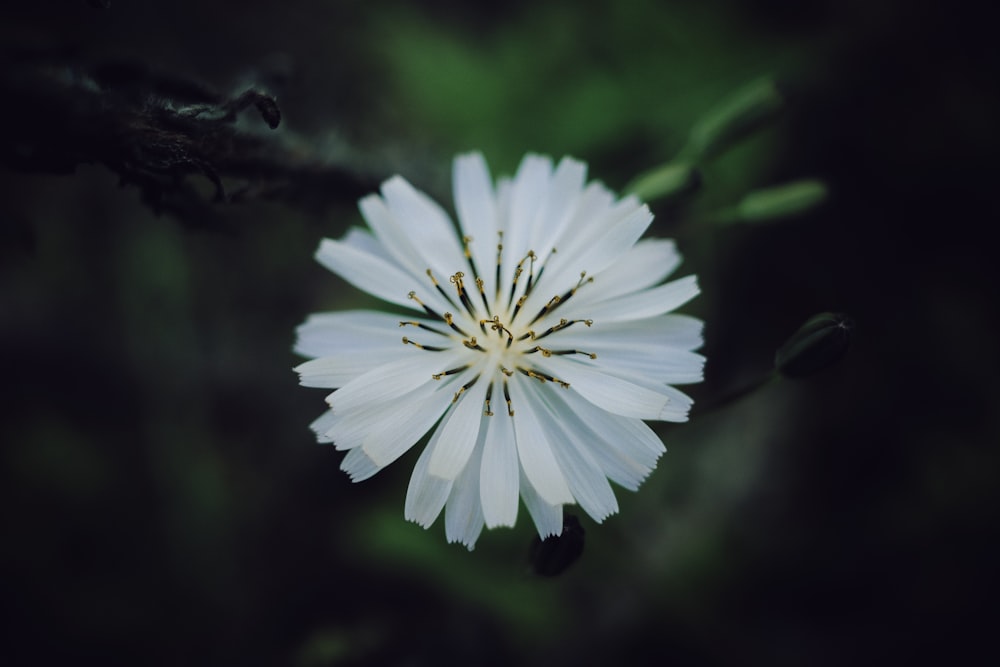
<point>497,334</point>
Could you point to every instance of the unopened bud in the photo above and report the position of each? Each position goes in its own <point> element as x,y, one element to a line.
<point>818,343</point>
<point>551,556</point>
<point>665,181</point>
<point>782,201</point>
<point>739,115</point>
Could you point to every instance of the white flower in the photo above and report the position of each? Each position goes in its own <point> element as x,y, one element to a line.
<point>537,366</point>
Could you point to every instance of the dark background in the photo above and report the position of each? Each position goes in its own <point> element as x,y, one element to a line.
<point>164,502</point>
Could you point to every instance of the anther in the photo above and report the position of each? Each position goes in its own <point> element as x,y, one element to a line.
<point>473,345</point>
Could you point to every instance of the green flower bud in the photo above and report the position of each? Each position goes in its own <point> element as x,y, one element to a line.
<point>782,201</point>
<point>739,115</point>
<point>818,343</point>
<point>668,180</point>
<point>550,557</point>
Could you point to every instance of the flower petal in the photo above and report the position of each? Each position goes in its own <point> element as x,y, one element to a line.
<point>645,264</point>
<point>404,423</point>
<point>648,303</point>
<point>548,518</point>
<point>458,433</point>
<point>533,450</point>
<point>673,331</point>
<point>626,449</point>
<point>475,202</point>
<point>558,206</point>
<point>392,380</point>
<point>358,331</point>
<point>358,466</point>
<point>368,272</point>
<point>426,494</point>
<point>463,513</point>
<point>426,225</point>
<point>585,478</point>
<point>321,425</point>
<point>608,392</point>
<point>498,477</point>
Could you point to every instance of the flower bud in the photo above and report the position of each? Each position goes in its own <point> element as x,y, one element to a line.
<point>550,557</point>
<point>739,115</point>
<point>666,181</point>
<point>782,201</point>
<point>818,343</point>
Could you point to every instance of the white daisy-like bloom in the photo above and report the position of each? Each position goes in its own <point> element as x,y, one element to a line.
<point>538,338</point>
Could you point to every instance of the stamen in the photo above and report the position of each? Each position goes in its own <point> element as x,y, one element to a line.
<point>499,260</point>
<point>517,308</point>
<point>556,301</point>
<point>450,321</point>
<point>463,388</point>
<point>422,326</point>
<point>407,341</point>
<point>438,376</point>
<point>489,395</point>
<point>559,327</point>
<point>496,326</point>
<point>440,289</point>
<point>482,294</point>
<point>506,395</point>
<point>456,280</point>
<point>473,345</point>
<point>561,352</point>
<point>427,309</point>
<point>543,377</point>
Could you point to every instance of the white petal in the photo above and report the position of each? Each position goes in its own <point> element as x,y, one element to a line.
<point>392,380</point>
<point>321,425</point>
<point>426,225</point>
<point>339,369</point>
<point>533,450</point>
<point>498,478</point>
<point>359,331</point>
<point>426,494</point>
<point>527,192</point>
<point>367,272</point>
<point>463,514</point>
<point>548,518</point>
<point>475,202</point>
<point>655,362</point>
<point>585,478</point>
<point>676,332</point>
<point>564,190</point>
<point>458,433</point>
<point>648,303</point>
<point>614,394</point>
<point>608,248</point>
<point>679,407</point>
<point>597,213</point>
<point>403,424</point>
<point>593,211</point>
<point>626,449</point>
<point>646,264</point>
<point>563,271</point>
<point>390,234</point>
<point>358,466</point>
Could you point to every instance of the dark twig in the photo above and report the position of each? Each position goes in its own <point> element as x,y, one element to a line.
<point>154,130</point>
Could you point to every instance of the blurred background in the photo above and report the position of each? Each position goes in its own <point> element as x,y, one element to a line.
<point>163,501</point>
